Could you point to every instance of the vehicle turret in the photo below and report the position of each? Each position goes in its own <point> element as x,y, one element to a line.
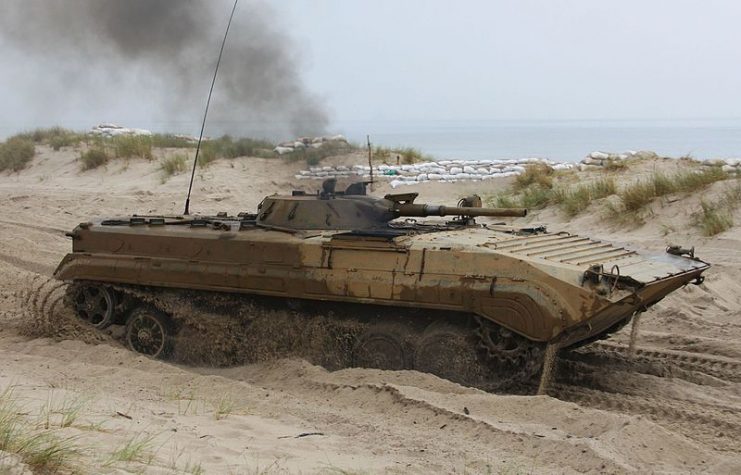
<point>354,210</point>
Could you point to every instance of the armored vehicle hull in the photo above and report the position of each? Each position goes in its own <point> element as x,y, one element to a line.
<point>521,288</point>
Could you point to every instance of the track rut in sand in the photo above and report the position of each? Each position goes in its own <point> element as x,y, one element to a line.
<point>694,394</point>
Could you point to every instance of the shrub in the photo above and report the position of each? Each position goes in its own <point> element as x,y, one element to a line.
<point>93,158</point>
<point>16,153</point>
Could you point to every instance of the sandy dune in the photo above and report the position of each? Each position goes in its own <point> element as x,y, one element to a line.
<point>675,408</point>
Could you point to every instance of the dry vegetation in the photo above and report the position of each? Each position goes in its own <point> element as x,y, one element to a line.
<point>314,156</point>
<point>16,153</point>
<point>36,446</point>
<point>541,186</point>
<point>717,216</point>
<point>407,155</point>
<point>173,165</point>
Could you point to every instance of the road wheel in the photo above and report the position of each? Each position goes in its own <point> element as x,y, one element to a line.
<point>149,332</point>
<point>380,347</point>
<point>94,304</point>
<point>448,351</point>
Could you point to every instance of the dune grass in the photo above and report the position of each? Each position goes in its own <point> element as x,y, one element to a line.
<point>714,217</point>
<point>573,201</point>
<point>173,165</point>
<point>171,141</point>
<point>535,174</point>
<point>131,146</point>
<point>55,137</point>
<point>407,155</point>
<point>16,153</point>
<point>93,158</point>
<point>313,156</point>
<point>136,449</point>
<point>539,187</point>
<point>638,195</point>
<point>40,449</point>
<point>228,147</point>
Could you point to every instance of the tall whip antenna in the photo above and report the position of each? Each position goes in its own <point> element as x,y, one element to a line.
<point>205,113</point>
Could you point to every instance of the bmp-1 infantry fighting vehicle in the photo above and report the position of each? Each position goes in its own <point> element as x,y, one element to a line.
<point>466,301</point>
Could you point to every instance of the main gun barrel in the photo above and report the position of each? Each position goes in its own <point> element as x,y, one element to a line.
<point>423,210</point>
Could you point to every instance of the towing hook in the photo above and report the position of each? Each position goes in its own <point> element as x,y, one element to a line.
<point>699,280</point>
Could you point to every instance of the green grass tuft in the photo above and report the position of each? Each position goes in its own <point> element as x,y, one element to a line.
<point>171,141</point>
<point>407,155</point>
<point>56,137</point>
<point>132,146</point>
<point>136,449</point>
<point>16,153</point>
<point>314,156</point>
<point>173,165</point>
<point>640,194</point>
<point>716,217</point>
<point>93,158</point>
<point>535,174</point>
<point>713,219</point>
<point>43,451</point>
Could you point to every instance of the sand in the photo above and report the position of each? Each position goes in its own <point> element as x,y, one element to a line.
<point>672,407</point>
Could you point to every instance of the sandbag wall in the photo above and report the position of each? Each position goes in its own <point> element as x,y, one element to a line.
<point>442,171</point>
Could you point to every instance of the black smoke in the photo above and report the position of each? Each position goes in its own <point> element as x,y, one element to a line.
<point>162,53</point>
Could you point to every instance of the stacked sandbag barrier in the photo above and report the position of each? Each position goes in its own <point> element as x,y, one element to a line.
<point>113,130</point>
<point>598,160</point>
<point>728,165</point>
<point>309,142</point>
<point>601,160</point>
<point>444,171</point>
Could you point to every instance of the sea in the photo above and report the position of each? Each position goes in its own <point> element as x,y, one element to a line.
<point>560,140</point>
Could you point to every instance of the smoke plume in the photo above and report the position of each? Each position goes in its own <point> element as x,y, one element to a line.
<point>158,56</point>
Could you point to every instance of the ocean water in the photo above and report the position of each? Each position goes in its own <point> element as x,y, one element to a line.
<point>558,140</point>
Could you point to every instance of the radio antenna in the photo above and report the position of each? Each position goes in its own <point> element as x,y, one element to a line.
<point>205,113</point>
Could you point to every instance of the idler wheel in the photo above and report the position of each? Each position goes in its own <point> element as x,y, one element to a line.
<point>149,332</point>
<point>380,348</point>
<point>95,305</point>
<point>447,351</point>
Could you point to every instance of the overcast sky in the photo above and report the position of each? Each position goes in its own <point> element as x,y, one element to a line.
<point>445,60</point>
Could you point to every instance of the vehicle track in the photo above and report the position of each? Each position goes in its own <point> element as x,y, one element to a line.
<point>720,429</point>
<point>727,369</point>
<point>46,229</point>
<point>596,376</point>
